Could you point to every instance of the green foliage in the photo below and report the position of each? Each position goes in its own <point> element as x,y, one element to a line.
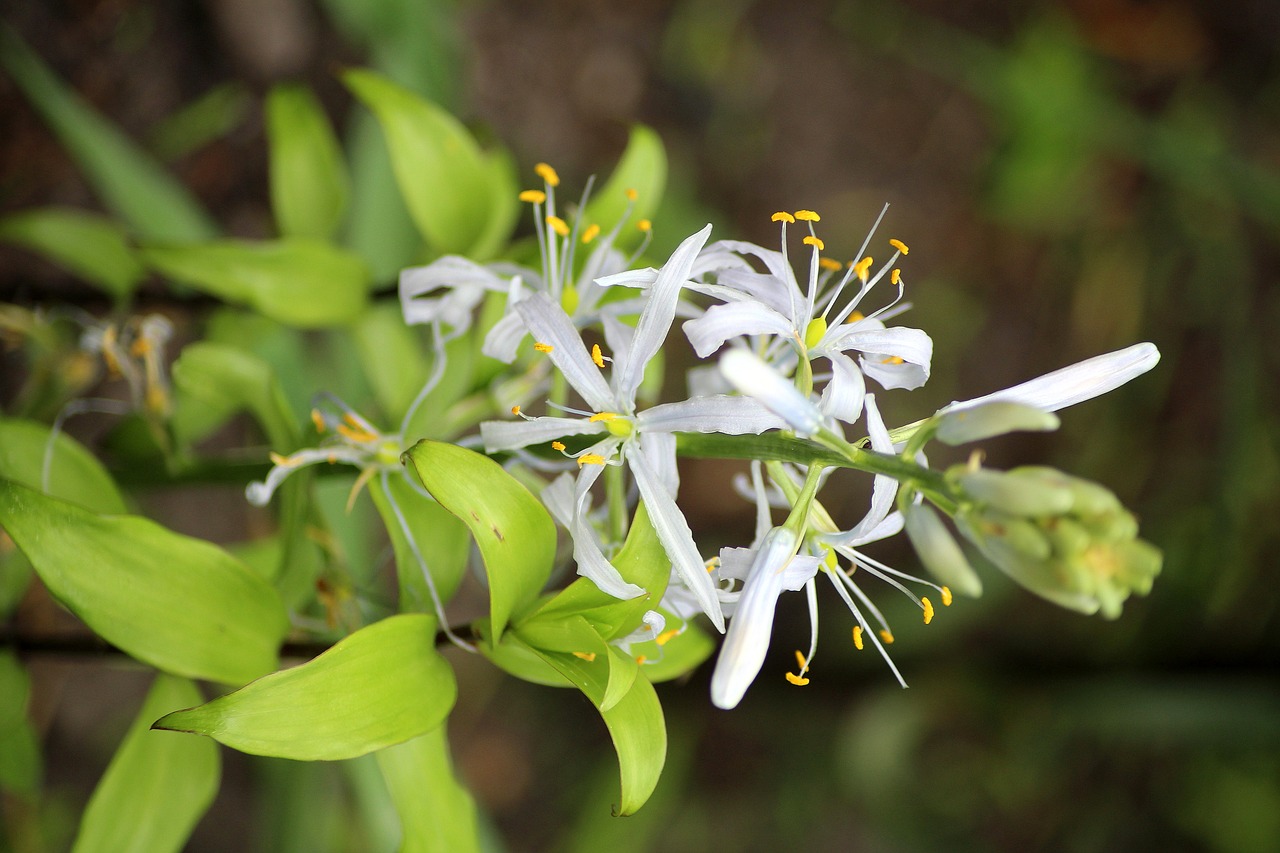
<point>436,812</point>
<point>215,381</point>
<point>94,248</point>
<point>382,685</point>
<point>643,168</point>
<point>20,767</point>
<point>309,182</point>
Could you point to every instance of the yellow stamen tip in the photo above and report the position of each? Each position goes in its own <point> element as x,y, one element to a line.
<point>632,195</point>
<point>815,242</point>
<point>886,637</point>
<point>317,419</point>
<point>558,225</point>
<point>896,276</point>
<point>557,445</point>
<point>900,246</point>
<point>801,663</point>
<point>856,316</point>
<point>543,348</point>
<point>712,564</point>
<point>808,216</point>
<point>797,680</point>
<point>640,659</point>
<point>946,596</point>
<point>586,656</point>
<point>592,231</point>
<point>515,410</point>
<point>547,174</point>
<point>590,459</point>
<point>282,461</point>
<point>533,196</point>
<point>783,216</point>
<point>666,636</point>
<point>893,359</point>
<point>829,264</point>
<point>596,356</point>
<point>863,267</point>
<point>928,609</point>
<point>857,637</point>
<point>644,225</point>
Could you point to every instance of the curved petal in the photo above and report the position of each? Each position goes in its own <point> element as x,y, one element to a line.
<point>843,396</point>
<point>760,287</point>
<point>548,324</point>
<point>467,283</point>
<point>504,337</point>
<point>660,450</point>
<point>722,322</point>
<point>719,413</point>
<point>591,561</point>
<point>508,435</point>
<point>883,490</point>
<point>753,377</point>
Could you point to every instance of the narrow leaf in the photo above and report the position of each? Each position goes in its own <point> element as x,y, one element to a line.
<point>90,246</point>
<point>308,177</point>
<point>436,812</point>
<point>157,785</point>
<point>639,735</point>
<point>180,604</point>
<point>382,685</point>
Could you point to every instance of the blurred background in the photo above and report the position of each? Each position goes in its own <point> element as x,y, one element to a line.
<point>1071,178</point>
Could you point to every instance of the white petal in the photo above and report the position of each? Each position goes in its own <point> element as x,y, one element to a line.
<point>591,561</point>
<point>557,497</point>
<point>765,288</point>
<point>548,324</point>
<point>466,283</point>
<point>883,346</point>
<point>508,435</point>
<point>751,376</point>
<point>842,398</point>
<point>722,322</point>
<point>660,451</point>
<point>504,337</point>
<point>729,415</point>
<point>1076,383</point>
<point>874,526</point>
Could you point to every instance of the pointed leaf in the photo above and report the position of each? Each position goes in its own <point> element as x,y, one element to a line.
<point>157,786</point>
<point>180,604</point>
<point>516,536</point>
<point>643,168</point>
<point>75,474</point>
<point>308,176</point>
<point>639,735</point>
<point>380,686</point>
<point>440,537</point>
<point>297,281</point>
<point>436,811</point>
<point>214,381</point>
<point>90,246</point>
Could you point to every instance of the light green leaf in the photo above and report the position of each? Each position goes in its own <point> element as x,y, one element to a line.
<point>300,282</point>
<point>214,381</point>
<point>442,174</point>
<point>90,246</point>
<point>308,177</point>
<point>504,206</point>
<point>441,538</point>
<point>75,474</point>
<point>380,686</point>
<point>157,785</point>
<point>378,227</point>
<point>679,656</point>
<point>392,356</point>
<point>197,123</point>
<point>639,735</point>
<point>436,812</point>
<point>515,534</point>
<point>19,747</point>
<point>180,604</point>
<point>153,204</point>
<point>643,168</point>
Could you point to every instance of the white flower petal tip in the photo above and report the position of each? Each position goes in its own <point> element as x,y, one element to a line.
<point>751,376</point>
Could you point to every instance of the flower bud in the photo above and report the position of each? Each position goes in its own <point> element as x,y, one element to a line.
<point>1022,491</point>
<point>939,552</point>
<point>991,419</point>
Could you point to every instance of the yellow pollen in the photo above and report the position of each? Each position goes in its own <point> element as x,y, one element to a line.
<point>354,434</point>
<point>558,225</point>
<point>887,637</point>
<point>332,459</point>
<point>640,659</point>
<point>632,195</point>
<point>543,348</point>
<point>596,356</point>
<point>946,596</point>
<point>815,242</point>
<point>900,246</point>
<point>797,680</point>
<point>317,419</point>
<point>856,316</point>
<point>547,174</point>
<point>557,445</point>
<point>857,637</point>
<point>666,636</point>
<point>895,276</point>
<point>586,656</point>
<point>533,196</point>
<point>712,564</point>
<point>644,225</point>
<point>861,268</point>
<point>515,410</point>
<point>828,264</point>
<point>140,348</point>
<point>928,609</point>
<point>591,233</point>
<point>602,416</point>
<point>808,216</point>
<point>893,359</point>
<point>783,216</point>
<point>282,461</point>
<point>590,459</point>
<point>800,662</point>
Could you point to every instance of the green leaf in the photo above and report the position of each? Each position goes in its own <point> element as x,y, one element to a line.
<point>382,685</point>
<point>639,735</point>
<point>679,656</point>
<point>504,206</point>
<point>214,381</point>
<point>155,206</point>
<point>442,174</point>
<point>308,177</point>
<point>643,168</point>
<point>75,474</point>
<point>392,356</point>
<point>436,811</point>
<point>378,227</point>
<point>305,283</point>
<point>157,785</point>
<point>90,246</point>
<point>441,538</point>
<point>516,535</point>
<point>180,604</point>
<point>197,123</point>
<point>19,747</point>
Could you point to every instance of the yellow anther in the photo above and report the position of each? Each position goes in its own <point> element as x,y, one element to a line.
<point>857,316</point>
<point>887,637</point>
<point>928,609</point>
<point>893,359</point>
<point>946,596</point>
<point>900,246</point>
<point>783,216</point>
<point>533,196</point>
<point>558,225</point>
<point>829,264</point>
<point>596,355</point>
<point>515,410</point>
<point>896,276</point>
<point>592,231</point>
<point>356,433</point>
<point>712,564</point>
<point>586,656</point>
<point>862,267</point>
<point>644,225</point>
<point>815,242</point>
<point>797,680</point>
<point>857,637</point>
<point>558,445</point>
<point>602,416</point>
<point>640,659</point>
<point>632,195</point>
<point>547,174</point>
<point>666,636</point>
<point>808,216</point>
<point>801,663</point>
<point>543,348</point>
<point>282,461</point>
<point>318,420</point>
<point>332,459</point>
<point>590,459</point>
<point>140,347</point>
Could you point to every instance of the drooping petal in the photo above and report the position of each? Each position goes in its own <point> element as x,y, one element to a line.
<point>508,435</point>
<point>719,413</point>
<point>751,376</point>
<point>843,396</point>
<point>549,325</point>
<point>722,322</point>
<point>1076,383</point>
<point>883,490</point>
<point>896,357</point>
<point>588,556</point>
<point>504,337</point>
<point>464,282</point>
<point>557,497</point>
<point>660,451</point>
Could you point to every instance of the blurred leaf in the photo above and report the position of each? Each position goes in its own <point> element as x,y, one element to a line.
<point>378,228</point>
<point>436,812</point>
<point>210,116</point>
<point>19,747</point>
<point>155,206</point>
<point>440,538</point>
<point>643,168</point>
<point>75,474</point>
<point>639,735</point>
<point>214,381</point>
<point>392,356</point>
<point>90,246</point>
<point>300,282</point>
<point>504,206</point>
<point>182,605</point>
<point>380,686</point>
<point>444,178</point>
<point>308,176</point>
<point>516,535</point>
<point>157,785</point>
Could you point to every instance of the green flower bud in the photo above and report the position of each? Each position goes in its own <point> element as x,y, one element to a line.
<point>939,552</point>
<point>991,419</point>
<point>1018,492</point>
